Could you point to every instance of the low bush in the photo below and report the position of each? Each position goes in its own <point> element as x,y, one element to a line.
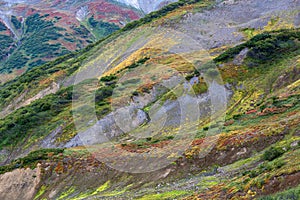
<point>108,78</point>
<point>16,22</point>
<point>272,153</point>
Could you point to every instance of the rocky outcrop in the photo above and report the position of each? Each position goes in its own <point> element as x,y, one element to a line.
<point>170,113</point>
<point>19,184</point>
<point>113,125</point>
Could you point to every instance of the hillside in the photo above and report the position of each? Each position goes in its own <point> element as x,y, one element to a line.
<point>199,100</point>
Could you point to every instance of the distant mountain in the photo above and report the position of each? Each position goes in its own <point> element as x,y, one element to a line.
<point>33,32</point>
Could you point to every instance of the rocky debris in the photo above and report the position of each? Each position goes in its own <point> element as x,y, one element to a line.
<point>4,153</point>
<point>238,60</point>
<point>296,143</point>
<point>49,140</point>
<point>222,25</point>
<point>297,20</point>
<point>74,142</point>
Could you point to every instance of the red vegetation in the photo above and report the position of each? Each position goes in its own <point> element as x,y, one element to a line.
<point>197,142</point>
<point>110,9</point>
<point>228,123</point>
<point>134,148</point>
<point>251,112</point>
<point>273,110</point>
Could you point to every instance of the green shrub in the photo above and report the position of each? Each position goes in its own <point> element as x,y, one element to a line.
<point>264,47</point>
<point>82,30</point>
<point>237,116</point>
<point>103,93</point>
<point>6,42</point>
<point>2,27</point>
<point>16,61</point>
<point>200,88</point>
<point>135,93</point>
<point>108,78</point>
<point>272,153</point>
<point>205,128</point>
<point>16,22</point>
<point>103,28</point>
<point>138,63</point>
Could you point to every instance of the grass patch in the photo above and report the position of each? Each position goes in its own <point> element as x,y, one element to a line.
<point>165,195</point>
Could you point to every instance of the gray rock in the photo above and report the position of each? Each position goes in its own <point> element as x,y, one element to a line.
<point>49,141</point>
<point>238,60</point>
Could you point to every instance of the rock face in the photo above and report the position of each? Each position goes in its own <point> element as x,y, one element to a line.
<point>238,60</point>
<point>161,115</point>
<point>19,184</point>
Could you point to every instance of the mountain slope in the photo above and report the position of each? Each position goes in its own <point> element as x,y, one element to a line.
<point>273,120</point>
<point>244,144</point>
